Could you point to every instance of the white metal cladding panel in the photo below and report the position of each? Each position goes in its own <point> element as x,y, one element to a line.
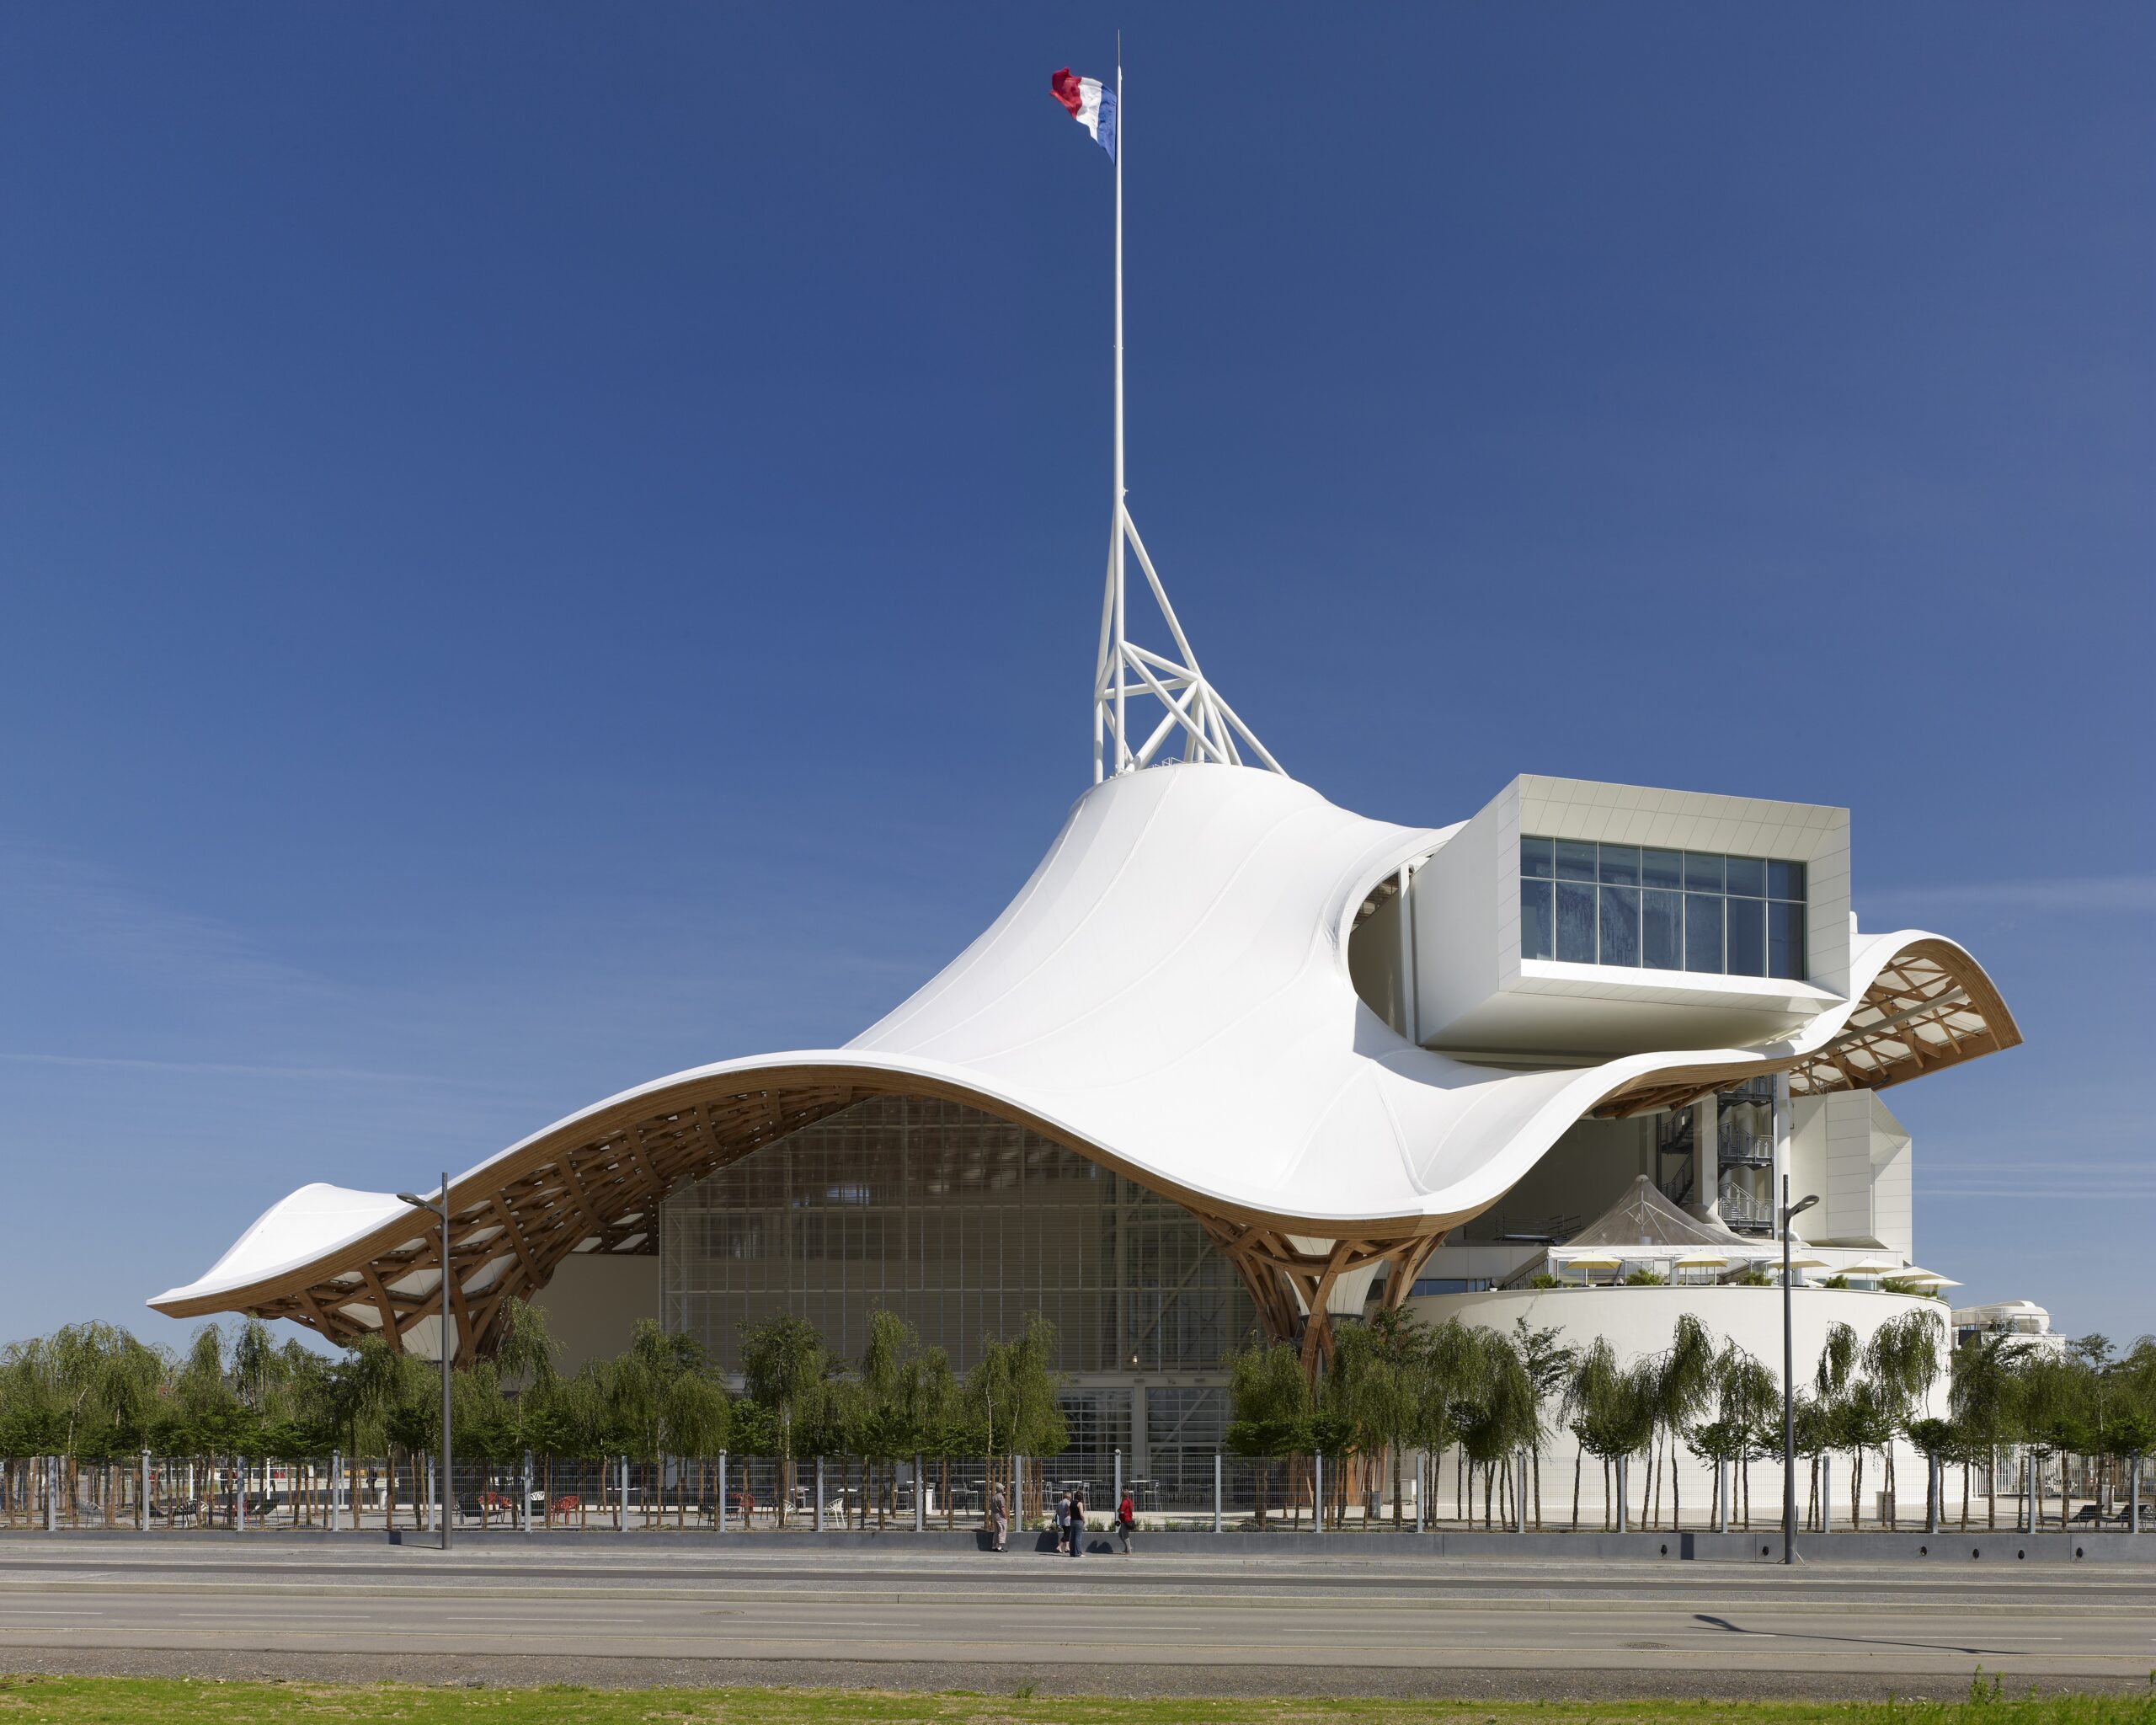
<point>1847,1197</point>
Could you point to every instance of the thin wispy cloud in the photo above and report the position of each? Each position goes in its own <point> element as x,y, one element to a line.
<point>94,912</point>
<point>2059,894</point>
<point>223,1069</point>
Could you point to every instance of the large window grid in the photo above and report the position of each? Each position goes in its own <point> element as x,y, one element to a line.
<point>1643,908</point>
<point>962,1224</point>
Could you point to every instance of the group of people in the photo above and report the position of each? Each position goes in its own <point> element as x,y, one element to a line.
<point>1070,1521</point>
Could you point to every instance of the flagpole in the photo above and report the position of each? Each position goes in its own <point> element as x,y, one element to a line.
<point>1122,736</point>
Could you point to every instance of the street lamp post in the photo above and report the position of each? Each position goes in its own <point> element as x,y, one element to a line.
<point>1789,1381</point>
<point>443,1491</point>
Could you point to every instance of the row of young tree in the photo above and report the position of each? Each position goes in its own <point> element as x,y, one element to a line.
<point>1394,1388</point>
<point>94,1395</point>
<point>1398,1388</point>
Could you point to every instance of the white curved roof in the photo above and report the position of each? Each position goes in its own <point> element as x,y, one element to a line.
<point>1169,992</point>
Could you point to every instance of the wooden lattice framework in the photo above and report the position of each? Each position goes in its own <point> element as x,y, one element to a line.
<point>1929,1007</point>
<point>595,1184</point>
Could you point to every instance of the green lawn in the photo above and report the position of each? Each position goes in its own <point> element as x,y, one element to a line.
<point>119,1700</point>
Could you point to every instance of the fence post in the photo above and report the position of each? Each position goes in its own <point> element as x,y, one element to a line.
<point>1826,1494</point>
<point>336,1474</point>
<point>142,1496</point>
<point>622,1518</point>
<point>1317,1491</point>
<point>1216,1491</point>
<point>1118,1499</point>
<point>1623,1496</point>
<point>718,1517</point>
<point>239,1495</point>
<point>818,1523</point>
<point>52,1494</point>
<point>1722,1493</point>
<point>524,1500</point>
<point>919,1495</point>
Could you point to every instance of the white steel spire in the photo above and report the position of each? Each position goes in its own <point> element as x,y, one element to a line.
<point>1207,727</point>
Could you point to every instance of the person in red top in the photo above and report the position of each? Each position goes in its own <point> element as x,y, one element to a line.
<point>1126,1521</point>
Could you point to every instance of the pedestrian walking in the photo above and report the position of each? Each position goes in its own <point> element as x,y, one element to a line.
<point>1126,1521</point>
<point>998,1519</point>
<point>1063,1522</point>
<point>1077,1522</point>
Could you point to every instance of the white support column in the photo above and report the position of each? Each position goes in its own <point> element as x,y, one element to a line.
<point>718,1516</point>
<point>1216,1491</point>
<point>1317,1491</point>
<point>336,1478</point>
<point>142,1496</point>
<point>818,1523</point>
<point>1707,1155</point>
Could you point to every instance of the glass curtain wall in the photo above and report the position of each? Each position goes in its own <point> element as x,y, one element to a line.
<point>1582,903</point>
<point>962,1224</point>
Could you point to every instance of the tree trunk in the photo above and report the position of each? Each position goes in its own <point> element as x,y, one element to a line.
<point>1578,1457</point>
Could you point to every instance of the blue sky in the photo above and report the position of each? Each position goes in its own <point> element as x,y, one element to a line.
<point>545,545</point>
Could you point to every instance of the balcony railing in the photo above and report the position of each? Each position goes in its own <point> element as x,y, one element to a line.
<point>1741,1210</point>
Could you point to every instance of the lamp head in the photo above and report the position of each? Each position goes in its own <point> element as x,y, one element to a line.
<point>415,1201</point>
<point>1801,1205</point>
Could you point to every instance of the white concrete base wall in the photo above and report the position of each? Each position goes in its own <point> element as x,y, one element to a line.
<point>1640,1322</point>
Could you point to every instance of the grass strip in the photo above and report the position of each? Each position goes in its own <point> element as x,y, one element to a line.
<point>134,1700</point>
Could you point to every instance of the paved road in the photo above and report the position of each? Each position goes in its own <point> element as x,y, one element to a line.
<point>1158,1624</point>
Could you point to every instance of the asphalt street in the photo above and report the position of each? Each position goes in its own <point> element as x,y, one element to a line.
<point>1160,1624</point>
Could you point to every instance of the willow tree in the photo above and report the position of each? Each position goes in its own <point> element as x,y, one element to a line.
<point>1902,1359</point>
<point>1269,1409</point>
<point>1982,1397</point>
<point>1610,1408</point>
<point>784,1363</point>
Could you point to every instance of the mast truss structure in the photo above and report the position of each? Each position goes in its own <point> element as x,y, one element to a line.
<point>1206,727</point>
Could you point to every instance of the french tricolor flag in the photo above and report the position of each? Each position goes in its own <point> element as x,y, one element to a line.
<point>1091,103</point>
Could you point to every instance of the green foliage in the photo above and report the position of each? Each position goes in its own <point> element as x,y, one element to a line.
<point>1270,1405</point>
<point>1646,1278</point>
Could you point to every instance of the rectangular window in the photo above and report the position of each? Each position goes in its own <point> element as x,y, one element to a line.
<point>1703,932</point>
<point>1537,922</point>
<point>1620,925</point>
<point>1785,941</point>
<point>1576,943</point>
<point>1702,872</point>
<point>1584,903</point>
<point>1747,936</point>
<point>1662,930</point>
<point>1575,861</point>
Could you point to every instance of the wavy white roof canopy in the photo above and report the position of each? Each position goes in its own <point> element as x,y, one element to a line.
<point>1169,994</point>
